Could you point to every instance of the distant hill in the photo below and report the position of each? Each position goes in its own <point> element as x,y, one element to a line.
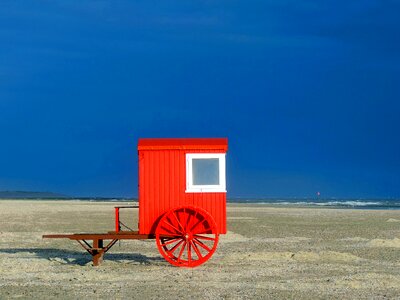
<point>29,195</point>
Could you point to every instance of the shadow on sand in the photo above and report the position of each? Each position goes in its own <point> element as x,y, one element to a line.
<point>81,258</point>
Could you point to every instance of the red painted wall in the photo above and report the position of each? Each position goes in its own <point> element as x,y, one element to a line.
<point>162,180</point>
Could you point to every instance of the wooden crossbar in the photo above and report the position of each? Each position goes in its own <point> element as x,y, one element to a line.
<point>122,235</point>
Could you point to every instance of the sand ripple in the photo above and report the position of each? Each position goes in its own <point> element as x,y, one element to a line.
<point>394,243</point>
<point>393,220</point>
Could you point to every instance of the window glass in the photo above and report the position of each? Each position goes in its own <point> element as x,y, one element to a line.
<point>205,171</point>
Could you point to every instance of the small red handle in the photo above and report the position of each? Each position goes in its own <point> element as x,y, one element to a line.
<point>117,227</point>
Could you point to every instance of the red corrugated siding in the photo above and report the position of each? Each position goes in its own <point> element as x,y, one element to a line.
<point>162,184</point>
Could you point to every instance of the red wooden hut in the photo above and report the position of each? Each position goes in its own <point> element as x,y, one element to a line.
<point>178,172</point>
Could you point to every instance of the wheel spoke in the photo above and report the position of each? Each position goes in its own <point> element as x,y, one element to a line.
<point>171,241</point>
<point>204,237</point>
<point>196,250</point>
<point>198,224</point>
<point>168,223</point>
<point>206,230</point>
<point>167,237</point>
<point>189,254</point>
<point>184,218</point>
<point>194,217</point>
<point>172,250</point>
<point>201,244</point>
<point>189,218</point>
<point>179,223</point>
<point>168,230</point>
<point>181,252</point>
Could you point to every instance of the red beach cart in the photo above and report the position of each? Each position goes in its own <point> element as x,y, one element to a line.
<point>182,201</point>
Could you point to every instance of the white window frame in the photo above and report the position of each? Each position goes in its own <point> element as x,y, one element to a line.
<point>218,188</point>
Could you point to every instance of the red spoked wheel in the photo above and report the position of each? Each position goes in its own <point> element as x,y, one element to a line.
<point>187,236</point>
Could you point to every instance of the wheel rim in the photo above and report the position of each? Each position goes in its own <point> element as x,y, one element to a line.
<point>187,236</point>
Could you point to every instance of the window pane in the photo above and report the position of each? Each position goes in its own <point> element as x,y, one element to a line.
<point>205,171</point>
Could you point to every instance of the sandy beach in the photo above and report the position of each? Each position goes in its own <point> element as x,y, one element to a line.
<point>269,252</point>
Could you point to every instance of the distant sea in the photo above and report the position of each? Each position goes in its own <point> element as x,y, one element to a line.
<point>358,203</point>
<point>328,202</point>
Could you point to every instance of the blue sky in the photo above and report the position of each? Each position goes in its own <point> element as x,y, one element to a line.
<point>306,91</point>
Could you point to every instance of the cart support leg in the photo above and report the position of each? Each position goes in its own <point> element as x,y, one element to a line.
<point>97,249</point>
<point>98,252</point>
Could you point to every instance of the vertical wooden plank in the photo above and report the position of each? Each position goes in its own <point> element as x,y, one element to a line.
<point>150,185</point>
<point>140,187</point>
<point>161,182</point>
<point>164,183</point>
<point>181,178</point>
<point>156,186</point>
<point>171,176</point>
<point>148,190</point>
